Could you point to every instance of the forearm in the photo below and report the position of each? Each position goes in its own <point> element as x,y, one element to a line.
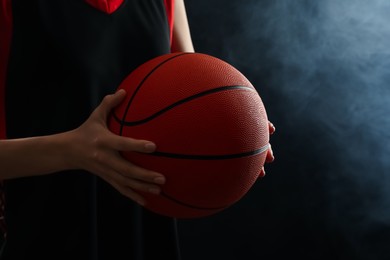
<point>181,40</point>
<point>32,156</point>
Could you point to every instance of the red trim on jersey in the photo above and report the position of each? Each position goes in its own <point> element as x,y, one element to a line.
<point>170,7</point>
<point>110,6</point>
<point>107,6</point>
<point>5,42</point>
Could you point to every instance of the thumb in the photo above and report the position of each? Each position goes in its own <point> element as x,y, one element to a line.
<point>111,101</point>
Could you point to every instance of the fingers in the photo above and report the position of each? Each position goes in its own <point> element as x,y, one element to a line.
<point>120,143</point>
<point>128,178</point>
<point>271,128</point>
<point>99,153</point>
<point>111,101</point>
<point>270,155</point>
<point>127,192</point>
<point>268,159</point>
<point>116,142</point>
<point>262,172</point>
<point>136,173</point>
<point>115,164</point>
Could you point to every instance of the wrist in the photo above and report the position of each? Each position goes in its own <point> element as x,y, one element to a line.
<point>65,149</point>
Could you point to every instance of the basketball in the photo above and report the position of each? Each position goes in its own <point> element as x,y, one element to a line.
<point>210,127</point>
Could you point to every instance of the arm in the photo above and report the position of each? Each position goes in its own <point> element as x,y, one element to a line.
<point>91,147</point>
<point>181,38</point>
<point>32,156</point>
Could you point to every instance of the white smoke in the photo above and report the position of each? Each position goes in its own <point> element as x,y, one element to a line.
<point>323,70</point>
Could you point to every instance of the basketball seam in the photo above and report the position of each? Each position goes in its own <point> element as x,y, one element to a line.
<point>123,123</point>
<point>211,157</point>
<point>180,102</point>
<point>142,82</point>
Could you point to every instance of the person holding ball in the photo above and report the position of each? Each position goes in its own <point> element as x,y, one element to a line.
<point>68,191</point>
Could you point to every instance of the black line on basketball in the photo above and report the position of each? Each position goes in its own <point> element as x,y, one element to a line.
<point>189,205</point>
<point>211,157</point>
<point>180,102</point>
<point>142,82</point>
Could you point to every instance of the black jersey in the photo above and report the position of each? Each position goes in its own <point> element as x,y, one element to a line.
<point>64,56</point>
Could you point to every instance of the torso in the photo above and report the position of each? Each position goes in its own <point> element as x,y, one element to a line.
<point>65,56</point>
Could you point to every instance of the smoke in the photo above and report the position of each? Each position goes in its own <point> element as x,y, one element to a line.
<point>332,61</point>
<point>323,71</point>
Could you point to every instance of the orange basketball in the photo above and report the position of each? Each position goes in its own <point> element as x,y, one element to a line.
<point>210,127</point>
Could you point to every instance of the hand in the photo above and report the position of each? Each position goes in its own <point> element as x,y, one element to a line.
<point>270,155</point>
<point>96,149</point>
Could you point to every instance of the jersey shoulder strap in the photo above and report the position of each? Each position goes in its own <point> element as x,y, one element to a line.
<point>170,8</point>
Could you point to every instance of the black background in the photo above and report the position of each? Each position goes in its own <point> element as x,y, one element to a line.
<point>322,69</point>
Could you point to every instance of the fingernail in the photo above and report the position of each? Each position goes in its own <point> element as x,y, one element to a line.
<point>159,180</point>
<point>150,146</point>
